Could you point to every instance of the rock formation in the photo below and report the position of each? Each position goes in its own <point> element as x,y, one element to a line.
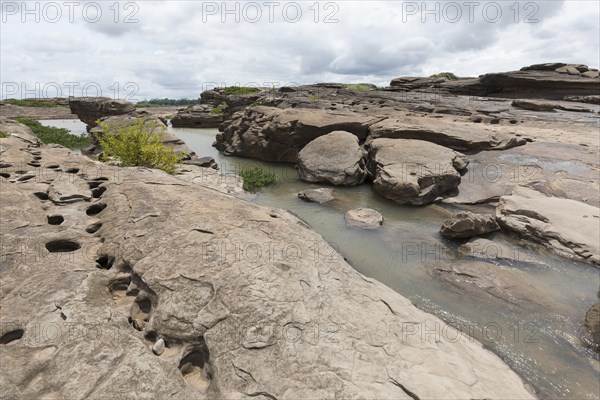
<point>91,109</point>
<point>466,225</point>
<point>364,218</point>
<point>90,287</point>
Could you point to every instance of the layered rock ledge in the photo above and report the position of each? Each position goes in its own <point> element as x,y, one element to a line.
<point>239,300</point>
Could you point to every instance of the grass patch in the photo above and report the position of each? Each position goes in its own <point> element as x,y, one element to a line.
<point>313,97</point>
<point>49,134</point>
<point>220,109</point>
<point>32,103</point>
<point>138,145</point>
<point>4,134</point>
<point>358,87</point>
<point>231,90</point>
<point>256,178</point>
<point>448,75</point>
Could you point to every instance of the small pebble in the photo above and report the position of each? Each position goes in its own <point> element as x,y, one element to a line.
<point>158,347</point>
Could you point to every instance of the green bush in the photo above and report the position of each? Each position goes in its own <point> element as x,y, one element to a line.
<point>220,109</point>
<point>359,87</point>
<point>448,75</point>
<point>49,134</point>
<point>231,90</point>
<point>256,177</point>
<point>31,103</point>
<point>138,145</point>
<point>4,134</point>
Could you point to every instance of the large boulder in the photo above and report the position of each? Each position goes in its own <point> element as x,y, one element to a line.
<point>566,226</point>
<point>91,109</point>
<point>414,172</point>
<point>457,136</point>
<point>247,300</point>
<point>198,116</point>
<point>278,135</point>
<point>336,158</point>
<point>465,225</point>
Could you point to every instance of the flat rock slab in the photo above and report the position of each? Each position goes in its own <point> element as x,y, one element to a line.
<point>457,136</point>
<point>277,135</point>
<point>567,226</point>
<point>486,249</point>
<point>414,172</point>
<point>364,218</point>
<point>336,159</point>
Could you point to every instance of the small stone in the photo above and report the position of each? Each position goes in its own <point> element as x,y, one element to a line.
<point>321,195</point>
<point>365,218</point>
<point>159,347</point>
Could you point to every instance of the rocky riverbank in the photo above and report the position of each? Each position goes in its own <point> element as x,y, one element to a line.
<point>131,283</point>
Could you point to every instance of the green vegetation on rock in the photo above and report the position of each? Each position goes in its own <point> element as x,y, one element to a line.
<point>220,109</point>
<point>232,90</point>
<point>448,75</point>
<point>358,87</point>
<point>138,145</point>
<point>167,102</point>
<point>256,178</point>
<point>4,134</point>
<point>32,103</point>
<point>49,134</point>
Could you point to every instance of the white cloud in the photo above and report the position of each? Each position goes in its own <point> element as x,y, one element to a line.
<point>175,49</point>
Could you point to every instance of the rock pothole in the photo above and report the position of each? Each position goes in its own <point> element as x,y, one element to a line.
<point>55,219</point>
<point>104,262</point>
<point>95,209</point>
<point>94,183</point>
<point>41,195</point>
<point>12,336</point>
<point>98,192</point>
<point>62,246</point>
<point>195,368</point>
<point>93,228</point>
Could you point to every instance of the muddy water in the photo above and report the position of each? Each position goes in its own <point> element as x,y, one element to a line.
<point>539,339</point>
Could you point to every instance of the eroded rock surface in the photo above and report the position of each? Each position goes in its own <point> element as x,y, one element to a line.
<point>336,159</point>
<point>365,218</point>
<point>413,171</point>
<point>466,225</point>
<point>91,109</point>
<point>155,257</point>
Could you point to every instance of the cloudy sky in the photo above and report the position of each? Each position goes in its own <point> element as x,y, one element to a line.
<point>146,49</point>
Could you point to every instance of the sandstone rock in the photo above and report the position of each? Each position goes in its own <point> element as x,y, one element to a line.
<point>466,225</point>
<point>165,264</point>
<point>566,226</point>
<point>69,188</point>
<point>91,109</point>
<point>592,99</point>
<point>535,105</point>
<point>321,195</point>
<point>364,218</point>
<point>277,135</point>
<point>414,172</point>
<point>457,136</point>
<point>591,74</point>
<point>335,158</point>
<point>205,162</point>
<point>198,116</point>
<point>489,250</point>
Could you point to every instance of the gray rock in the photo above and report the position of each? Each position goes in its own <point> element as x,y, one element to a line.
<point>336,159</point>
<point>198,116</point>
<point>91,109</point>
<point>159,347</point>
<point>321,195</point>
<point>592,324</point>
<point>490,250</point>
<point>466,224</point>
<point>414,172</point>
<point>364,218</point>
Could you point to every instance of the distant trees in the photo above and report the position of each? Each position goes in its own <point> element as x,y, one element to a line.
<point>167,102</point>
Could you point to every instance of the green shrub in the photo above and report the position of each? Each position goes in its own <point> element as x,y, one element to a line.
<point>4,134</point>
<point>49,134</point>
<point>256,177</point>
<point>312,97</point>
<point>448,75</point>
<point>220,109</point>
<point>138,145</point>
<point>31,103</point>
<point>359,87</point>
<point>231,90</point>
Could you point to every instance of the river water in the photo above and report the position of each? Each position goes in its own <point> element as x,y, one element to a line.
<point>540,340</point>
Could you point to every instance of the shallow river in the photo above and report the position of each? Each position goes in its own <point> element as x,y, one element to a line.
<point>540,342</point>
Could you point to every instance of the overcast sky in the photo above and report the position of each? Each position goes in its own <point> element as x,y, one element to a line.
<point>178,48</point>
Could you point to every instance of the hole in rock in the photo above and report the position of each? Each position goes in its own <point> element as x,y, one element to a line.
<point>151,336</point>
<point>95,209</point>
<point>93,228</point>
<point>97,193</point>
<point>5,175</point>
<point>25,178</point>
<point>73,170</point>
<point>12,336</point>
<point>41,195</point>
<point>144,304</point>
<point>55,219</point>
<point>62,246</point>
<point>105,262</point>
<point>94,183</point>
<point>34,164</point>
<point>195,369</point>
